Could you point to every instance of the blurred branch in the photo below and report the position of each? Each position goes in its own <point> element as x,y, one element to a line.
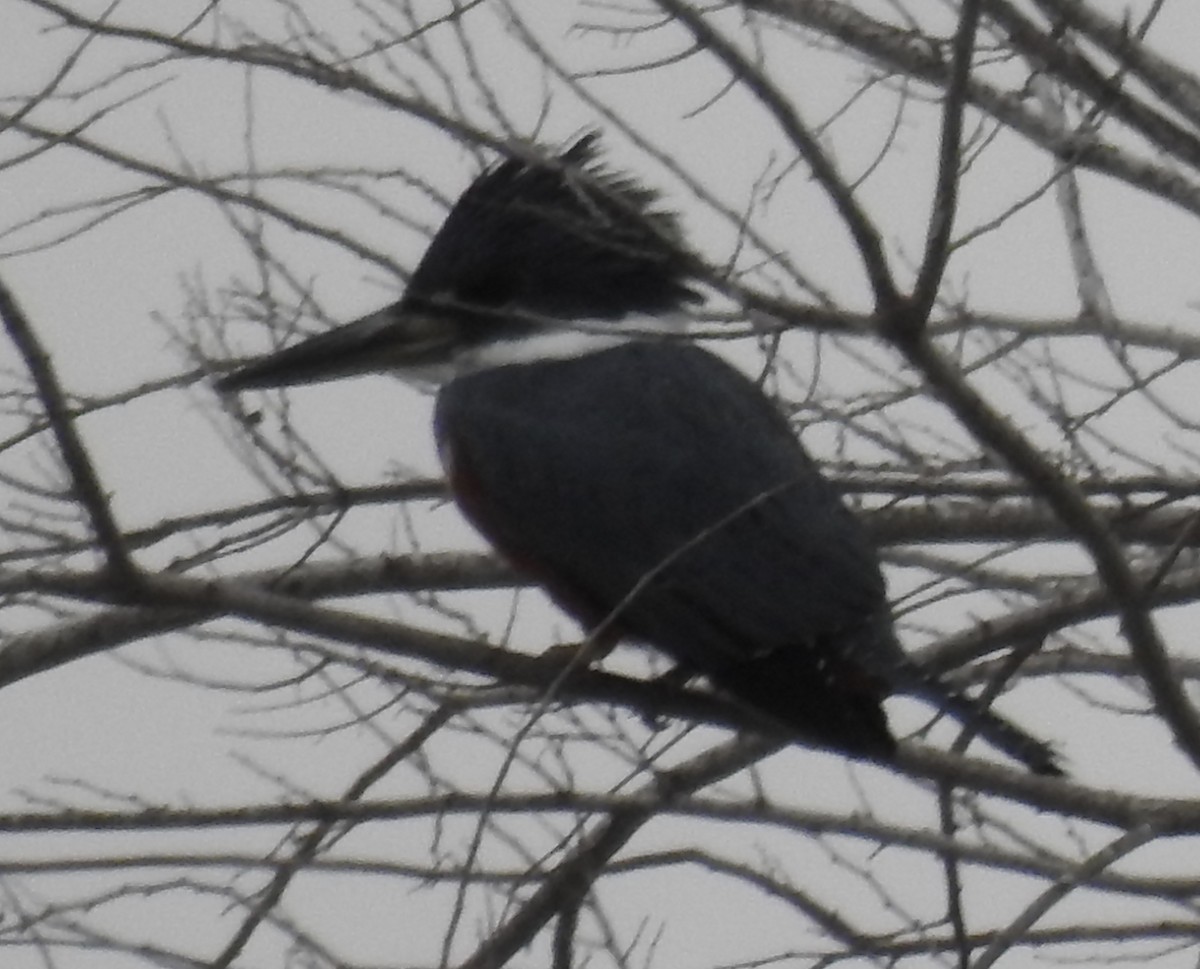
<point>1178,88</point>
<point>570,881</point>
<point>308,845</point>
<point>1098,862</point>
<point>784,113</point>
<point>122,571</point>
<point>913,55</point>
<point>1169,817</point>
<point>303,65</point>
<point>811,824</point>
<point>1068,502</point>
<point>945,196</point>
<point>172,180</point>
<point>919,510</point>
<point>1067,63</point>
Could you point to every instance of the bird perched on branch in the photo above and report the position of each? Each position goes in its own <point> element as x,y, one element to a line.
<point>651,488</point>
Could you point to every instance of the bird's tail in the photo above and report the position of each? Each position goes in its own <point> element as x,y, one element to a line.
<point>825,703</point>
<point>1037,755</point>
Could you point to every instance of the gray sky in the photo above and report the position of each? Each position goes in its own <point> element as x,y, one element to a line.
<point>98,731</point>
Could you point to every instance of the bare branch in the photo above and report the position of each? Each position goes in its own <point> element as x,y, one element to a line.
<point>945,196</point>
<point>85,482</point>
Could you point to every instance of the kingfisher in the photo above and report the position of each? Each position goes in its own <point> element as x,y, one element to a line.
<point>653,490</point>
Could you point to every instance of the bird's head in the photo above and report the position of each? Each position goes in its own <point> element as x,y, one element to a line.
<point>536,257</point>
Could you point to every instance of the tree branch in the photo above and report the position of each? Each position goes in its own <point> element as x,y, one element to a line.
<point>824,169</point>
<point>945,196</point>
<point>85,482</point>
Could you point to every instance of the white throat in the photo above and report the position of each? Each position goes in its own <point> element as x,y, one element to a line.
<point>564,341</point>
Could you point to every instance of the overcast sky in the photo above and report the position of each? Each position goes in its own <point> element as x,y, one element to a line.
<point>104,296</point>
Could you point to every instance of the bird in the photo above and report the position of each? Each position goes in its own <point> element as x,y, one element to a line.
<point>651,488</point>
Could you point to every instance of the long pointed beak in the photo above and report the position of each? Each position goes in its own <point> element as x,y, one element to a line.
<point>393,339</point>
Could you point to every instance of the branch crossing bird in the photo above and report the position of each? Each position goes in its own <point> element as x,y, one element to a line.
<point>648,485</point>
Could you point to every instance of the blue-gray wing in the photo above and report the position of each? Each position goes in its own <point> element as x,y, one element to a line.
<point>655,484</point>
<point>661,469</point>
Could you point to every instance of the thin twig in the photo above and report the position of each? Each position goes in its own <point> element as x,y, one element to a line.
<point>563,888</point>
<point>862,229</point>
<point>1104,858</point>
<point>84,479</point>
<point>945,196</point>
<point>311,843</point>
<point>1131,599</point>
